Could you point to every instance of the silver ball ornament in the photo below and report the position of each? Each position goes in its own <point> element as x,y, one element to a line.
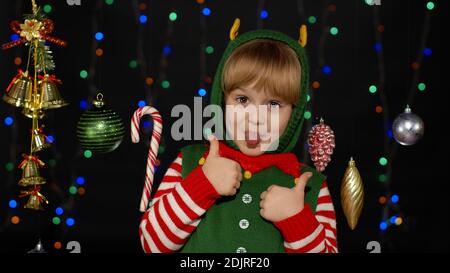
<point>408,128</point>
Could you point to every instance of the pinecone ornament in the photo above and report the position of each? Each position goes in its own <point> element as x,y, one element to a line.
<point>321,145</point>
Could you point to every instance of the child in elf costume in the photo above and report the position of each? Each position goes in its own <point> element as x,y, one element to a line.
<point>233,196</point>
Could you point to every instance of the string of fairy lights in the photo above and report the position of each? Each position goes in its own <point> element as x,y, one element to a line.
<point>392,214</point>
<point>205,49</point>
<point>155,77</point>
<point>65,212</point>
<point>141,12</point>
<point>9,181</point>
<point>323,68</point>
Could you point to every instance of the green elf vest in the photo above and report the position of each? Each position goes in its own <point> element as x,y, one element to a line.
<point>233,224</point>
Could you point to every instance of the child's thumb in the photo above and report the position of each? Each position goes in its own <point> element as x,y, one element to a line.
<point>213,146</point>
<point>301,184</point>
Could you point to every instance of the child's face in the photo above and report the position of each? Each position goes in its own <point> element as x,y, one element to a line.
<point>253,133</point>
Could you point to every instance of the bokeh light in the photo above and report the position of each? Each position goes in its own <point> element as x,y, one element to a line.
<point>12,203</point>
<point>83,74</point>
<point>173,16</point>
<point>383,161</point>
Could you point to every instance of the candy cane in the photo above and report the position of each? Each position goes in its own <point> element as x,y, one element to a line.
<point>153,150</point>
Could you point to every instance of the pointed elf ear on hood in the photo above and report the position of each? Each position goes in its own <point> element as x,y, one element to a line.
<point>235,29</point>
<point>302,38</point>
<point>290,136</point>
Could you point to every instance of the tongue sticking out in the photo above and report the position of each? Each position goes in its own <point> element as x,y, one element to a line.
<point>252,139</point>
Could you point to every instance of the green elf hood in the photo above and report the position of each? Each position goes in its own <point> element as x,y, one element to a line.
<point>291,134</point>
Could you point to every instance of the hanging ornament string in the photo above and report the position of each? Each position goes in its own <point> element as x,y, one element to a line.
<point>159,76</point>
<point>99,129</point>
<point>37,99</point>
<point>352,188</point>
<point>203,41</point>
<point>320,140</point>
<point>34,6</point>
<point>157,142</point>
<point>381,89</point>
<point>407,127</point>
<point>153,150</point>
<point>419,57</point>
<point>142,60</point>
<point>94,69</point>
<point>152,75</point>
<point>77,186</point>
<point>316,76</point>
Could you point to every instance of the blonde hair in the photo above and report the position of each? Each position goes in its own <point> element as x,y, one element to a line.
<point>268,65</point>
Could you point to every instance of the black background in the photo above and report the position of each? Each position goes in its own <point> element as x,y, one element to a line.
<point>107,216</point>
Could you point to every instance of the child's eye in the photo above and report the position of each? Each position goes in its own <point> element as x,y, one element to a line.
<point>242,100</point>
<point>274,104</point>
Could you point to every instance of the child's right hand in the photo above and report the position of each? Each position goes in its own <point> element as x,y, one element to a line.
<point>224,174</point>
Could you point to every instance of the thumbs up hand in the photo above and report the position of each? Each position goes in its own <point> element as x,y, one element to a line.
<point>278,203</point>
<point>224,174</point>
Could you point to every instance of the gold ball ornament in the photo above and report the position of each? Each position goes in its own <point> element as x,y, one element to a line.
<point>352,194</point>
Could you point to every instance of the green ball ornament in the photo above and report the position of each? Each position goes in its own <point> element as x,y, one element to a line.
<point>100,129</point>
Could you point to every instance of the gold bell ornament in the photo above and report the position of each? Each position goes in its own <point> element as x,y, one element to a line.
<point>50,96</point>
<point>30,166</point>
<point>38,140</point>
<point>19,91</point>
<point>36,198</point>
<point>352,194</point>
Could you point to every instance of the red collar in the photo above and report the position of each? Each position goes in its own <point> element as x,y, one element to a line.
<point>286,162</point>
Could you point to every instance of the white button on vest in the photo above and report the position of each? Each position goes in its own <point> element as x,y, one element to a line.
<point>241,250</point>
<point>247,198</point>
<point>244,224</point>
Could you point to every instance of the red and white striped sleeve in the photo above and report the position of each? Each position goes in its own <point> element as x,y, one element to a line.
<point>175,210</point>
<point>311,232</point>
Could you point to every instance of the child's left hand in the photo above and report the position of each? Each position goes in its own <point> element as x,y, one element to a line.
<point>279,203</point>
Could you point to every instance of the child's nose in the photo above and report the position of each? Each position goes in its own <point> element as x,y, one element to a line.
<point>257,117</point>
<point>253,118</point>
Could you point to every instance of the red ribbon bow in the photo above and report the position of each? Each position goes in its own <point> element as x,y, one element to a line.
<point>51,78</point>
<point>33,158</point>
<point>35,191</point>
<point>15,27</point>
<point>48,27</point>
<point>13,81</point>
